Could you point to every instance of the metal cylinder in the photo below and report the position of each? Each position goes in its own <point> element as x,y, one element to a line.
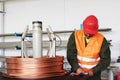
<point>37,39</point>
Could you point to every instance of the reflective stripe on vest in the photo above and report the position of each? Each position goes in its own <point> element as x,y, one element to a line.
<point>88,56</point>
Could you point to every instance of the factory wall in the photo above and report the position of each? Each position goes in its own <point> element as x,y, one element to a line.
<point>63,15</point>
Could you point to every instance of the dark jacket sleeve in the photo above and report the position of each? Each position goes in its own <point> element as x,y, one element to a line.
<point>72,53</point>
<point>105,57</point>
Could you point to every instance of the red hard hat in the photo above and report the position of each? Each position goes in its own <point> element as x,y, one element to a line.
<point>90,24</point>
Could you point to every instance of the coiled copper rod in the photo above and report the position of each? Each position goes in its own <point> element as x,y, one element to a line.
<point>34,67</point>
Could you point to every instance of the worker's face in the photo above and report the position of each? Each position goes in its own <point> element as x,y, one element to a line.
<point>88,35</point>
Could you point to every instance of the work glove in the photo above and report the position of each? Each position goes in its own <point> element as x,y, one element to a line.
<point>79,71</point>
<point>90,72</point>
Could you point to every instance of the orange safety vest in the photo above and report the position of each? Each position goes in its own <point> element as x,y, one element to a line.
<point>88,56</point>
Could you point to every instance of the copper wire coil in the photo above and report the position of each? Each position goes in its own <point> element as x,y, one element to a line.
<point>35,70</point>
<point>18,59</point>
<point>34,67</point>
<point>33,76</point>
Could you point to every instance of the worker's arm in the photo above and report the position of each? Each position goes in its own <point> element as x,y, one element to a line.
<point>72,53</point>
<point>105,57</point>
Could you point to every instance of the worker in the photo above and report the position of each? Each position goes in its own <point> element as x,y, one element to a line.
<point>88,51</point>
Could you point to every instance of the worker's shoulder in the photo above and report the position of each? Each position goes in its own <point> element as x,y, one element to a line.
<point>78,31</point>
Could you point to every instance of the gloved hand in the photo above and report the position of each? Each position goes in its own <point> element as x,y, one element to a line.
<point>79,71</point>
<point>90,72</point>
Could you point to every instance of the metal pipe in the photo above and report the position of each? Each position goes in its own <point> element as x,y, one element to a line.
<point>37,39</point>
<point>2,31</point>
<point>65,31</point>
<point>52,47</point>
<point>23,46</point>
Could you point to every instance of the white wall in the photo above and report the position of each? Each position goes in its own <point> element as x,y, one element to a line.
<point>64,15</point>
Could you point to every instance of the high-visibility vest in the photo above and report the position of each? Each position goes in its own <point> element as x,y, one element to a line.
<point>88,56</point>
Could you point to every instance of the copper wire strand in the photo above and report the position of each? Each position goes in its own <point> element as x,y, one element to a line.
<point>34,67</point>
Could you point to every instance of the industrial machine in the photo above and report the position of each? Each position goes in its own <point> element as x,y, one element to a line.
<point>37,65</point>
